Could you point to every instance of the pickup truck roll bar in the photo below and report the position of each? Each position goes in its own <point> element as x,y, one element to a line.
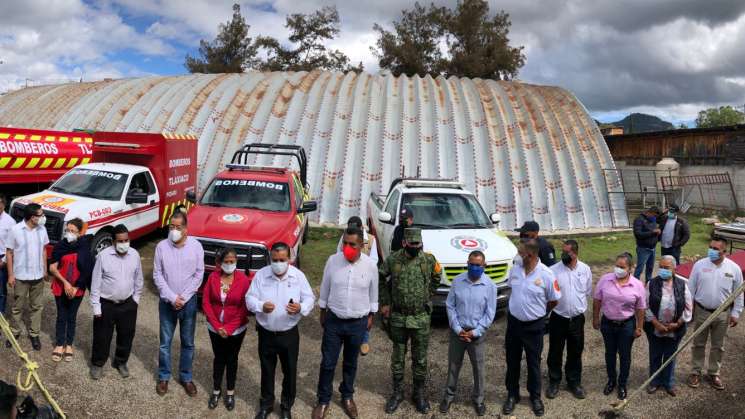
<point>240,157</point>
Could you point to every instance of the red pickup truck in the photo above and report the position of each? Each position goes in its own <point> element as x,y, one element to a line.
<point>250,207</point>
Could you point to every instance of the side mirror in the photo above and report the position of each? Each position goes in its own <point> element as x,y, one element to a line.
<point>308,206</point>
<point>191,196</point>
<point>136,197</point>
<point>385,217</point>
<point>495,218</point>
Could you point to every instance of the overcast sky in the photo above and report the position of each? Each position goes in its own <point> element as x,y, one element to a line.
<point>669,58</point>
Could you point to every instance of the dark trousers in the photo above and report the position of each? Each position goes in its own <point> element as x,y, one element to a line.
<point>123,318</point>
<point>337,333</point>
<point>524,336</point>
<point>672,251</point>
<point>618,339</point>
<point>569,333</point>
<point>226,352</point>
<point>660,350</point>
<point>282,346</point>
<point>67,314</point>
<point>644,263</point>
<point>3,288</point>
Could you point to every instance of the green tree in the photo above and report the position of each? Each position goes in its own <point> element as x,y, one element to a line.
<point>719,117</point>
<point>307,34</point>
<point>464,41</point>
<point>413,47</point>
<point>232,51</point>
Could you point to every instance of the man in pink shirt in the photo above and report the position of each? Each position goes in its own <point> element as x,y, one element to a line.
<point>177,272</point>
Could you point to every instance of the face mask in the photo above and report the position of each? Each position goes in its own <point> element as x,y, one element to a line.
<point>42,220</point>
<point>350,253</point>
<point>620,272</point>
<point>412,251</point>
<point>652,219</point>
<point>475,271</point>
<point>518,260</point>
<point>122,248</point>
<point>70,236</point>
<point>279,268</point>
<point>671,214</point>
<point>174,235</point>
<point>228,268</point>
<point>665,273</point>
<point>713,255</point>
<point>566,258</point>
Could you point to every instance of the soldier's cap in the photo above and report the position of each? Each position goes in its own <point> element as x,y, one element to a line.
<point>529,227</point>
<point>407,213</point>
<point>413,235</point>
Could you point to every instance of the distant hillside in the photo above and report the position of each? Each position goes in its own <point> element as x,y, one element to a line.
<point>639,122</point>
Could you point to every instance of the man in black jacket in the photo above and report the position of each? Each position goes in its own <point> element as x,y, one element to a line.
<point>406,219</point>
<point>675,233</point>
<point>647,234</point>
<point>546,252</point>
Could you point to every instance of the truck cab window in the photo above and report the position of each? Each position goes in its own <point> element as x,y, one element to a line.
<point>98,184</point>
<point>299,192</point>
<point>390,208</point>
<point>140,184</point>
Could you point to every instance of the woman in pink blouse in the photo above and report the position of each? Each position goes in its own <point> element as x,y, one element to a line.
<point>669,308</point>
<point>621,298</point>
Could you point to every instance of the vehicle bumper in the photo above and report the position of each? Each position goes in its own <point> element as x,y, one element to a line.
<point>438,301</point>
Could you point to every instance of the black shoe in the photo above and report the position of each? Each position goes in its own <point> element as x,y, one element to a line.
<point>621,392</point>
<point>537,405</point>
<point>421,404</point>
<point>285,413</point>
<point>445,405</point>
<point>396,397</point>
<point>264,413</point>
<point>577,391</point>
<point>230,401</point>
<point>552,390</point>
<point>35,343</point>
<point>480,409</point>
<point>214,400</point>
<point>609,387</point>
<point>509,405</point>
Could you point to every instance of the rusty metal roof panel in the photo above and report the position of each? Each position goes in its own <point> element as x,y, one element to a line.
<point>528,152</point>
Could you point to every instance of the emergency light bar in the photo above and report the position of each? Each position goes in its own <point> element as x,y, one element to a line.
<point>120,145</point>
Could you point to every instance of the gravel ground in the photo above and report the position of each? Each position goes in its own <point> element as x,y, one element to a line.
<point>113,397</point>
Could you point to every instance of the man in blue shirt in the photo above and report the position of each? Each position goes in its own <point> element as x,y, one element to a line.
<point>471,305</point>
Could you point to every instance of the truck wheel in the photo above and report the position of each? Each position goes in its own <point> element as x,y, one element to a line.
<point>305,234</point>
<point>297,258</point>
<point>102,240</point>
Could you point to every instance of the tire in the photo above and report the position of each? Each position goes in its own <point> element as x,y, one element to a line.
<point>297,258</point>
<point>102,240</point>
<point>305,234</point>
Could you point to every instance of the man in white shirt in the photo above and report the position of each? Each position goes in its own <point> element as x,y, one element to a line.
<point>567,322</point>
<point>279,295</point>
<point>6,223</point>
<point>27,268</point>
<point>713,279</point>
<point>348,301</point>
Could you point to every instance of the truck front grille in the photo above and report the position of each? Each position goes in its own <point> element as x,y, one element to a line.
<point>497,272</point>
<point>249,257</point>
<point>55,222</point>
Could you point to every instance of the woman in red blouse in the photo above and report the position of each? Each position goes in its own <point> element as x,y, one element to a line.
<point>71,269</point>
<point>224,304</point>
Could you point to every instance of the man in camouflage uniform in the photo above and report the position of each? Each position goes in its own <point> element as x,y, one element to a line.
<point>408,279</point>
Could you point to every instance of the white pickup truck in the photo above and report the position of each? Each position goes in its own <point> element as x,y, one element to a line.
<point>453,224</point>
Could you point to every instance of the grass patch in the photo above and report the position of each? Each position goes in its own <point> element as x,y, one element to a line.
<point>321,244</point>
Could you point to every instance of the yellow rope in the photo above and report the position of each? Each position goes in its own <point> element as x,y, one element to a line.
<point>30,367</point>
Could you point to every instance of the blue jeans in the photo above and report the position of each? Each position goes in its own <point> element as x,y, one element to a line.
<point>618,339</point>
<point>186,317</point>
<point>337,333</point>
<point>67,315</point>
<point>366,336</point>
<point>3,288</point>
<point>644,257</point>
<point>660,349</point>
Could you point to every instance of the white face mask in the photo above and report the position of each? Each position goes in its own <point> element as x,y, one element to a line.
<point>174,235</point>
<point>42,220</point>
<point>70,236</point>
<point>279,268</point>
<point>228,268</point>
<point>620,272</point>
<point>518,260</point>
<point>122,248</point>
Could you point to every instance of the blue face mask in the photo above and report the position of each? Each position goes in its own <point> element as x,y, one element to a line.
<point>652,219</point>
<point>665,273</point>
<point>475,271</point>
<point>713,255</point>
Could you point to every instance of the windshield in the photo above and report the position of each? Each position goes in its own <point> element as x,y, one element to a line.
<point>434,211</point>
<point>253,194</point>
<point>96,184</point>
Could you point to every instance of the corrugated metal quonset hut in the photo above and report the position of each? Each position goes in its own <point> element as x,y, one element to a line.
<point>529,152</point>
